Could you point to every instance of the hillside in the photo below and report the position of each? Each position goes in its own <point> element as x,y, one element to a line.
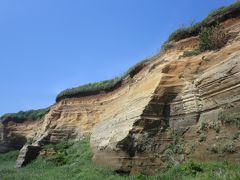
<point>179,105</point>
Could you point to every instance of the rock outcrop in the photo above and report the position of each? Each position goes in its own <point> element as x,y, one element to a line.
<point>13,135</point>
<point>27,154</point>
<point>189,92</point>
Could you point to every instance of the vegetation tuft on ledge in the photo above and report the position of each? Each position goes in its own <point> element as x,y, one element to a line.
<point>215,17</point>
<point>103,86</point>
<point>24,115</point>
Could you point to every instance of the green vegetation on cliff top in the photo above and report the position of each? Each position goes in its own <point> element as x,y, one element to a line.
<point>213,18</point>
<point>102,86</point>
<point>25,115</point>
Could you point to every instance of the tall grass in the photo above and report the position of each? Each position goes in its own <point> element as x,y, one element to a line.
<point>78,165</point>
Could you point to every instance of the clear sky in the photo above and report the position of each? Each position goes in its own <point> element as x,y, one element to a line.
<point>49,45</point>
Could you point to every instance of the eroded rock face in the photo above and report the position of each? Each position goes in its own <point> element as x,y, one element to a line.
<point>190,91</point>
<point>14,135</point>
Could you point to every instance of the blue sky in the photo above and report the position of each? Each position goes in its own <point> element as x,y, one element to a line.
<point>49,45</point>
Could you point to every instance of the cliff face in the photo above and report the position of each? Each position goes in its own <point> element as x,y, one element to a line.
<point>13,135</point>
<point>190,93</point>
<point>167,113</point>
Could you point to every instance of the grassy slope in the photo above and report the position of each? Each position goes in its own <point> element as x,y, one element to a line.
<point>74,162</point>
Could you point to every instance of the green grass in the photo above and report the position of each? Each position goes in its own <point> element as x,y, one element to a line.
<point>103,86</point>
<point>212,19</point>
<point>76,164</point>
<point>89,89</point>
<point>25,115</point>
<point>194,52</point>
<point>230,118</point>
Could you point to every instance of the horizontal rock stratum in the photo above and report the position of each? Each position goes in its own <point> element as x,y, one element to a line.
<point>166,113</point>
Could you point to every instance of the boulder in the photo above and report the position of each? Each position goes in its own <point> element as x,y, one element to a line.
<point>27,154</point>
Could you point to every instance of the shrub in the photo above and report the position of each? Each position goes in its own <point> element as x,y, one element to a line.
<point>216,125</point>
<point>203,125</point>
<point>194,52</point>
<point>215,148</point>
<point>229,147</point>
<point>212,38</point>
<point>230,118</point>
<point>236,135</point>
<point>192,167</point>
<point>202,137</point>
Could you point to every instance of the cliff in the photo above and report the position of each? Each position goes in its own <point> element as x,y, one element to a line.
<point>171,109</point>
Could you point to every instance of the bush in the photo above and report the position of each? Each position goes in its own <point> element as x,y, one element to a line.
<point>202,137</point>
<point>203,125</point>
<point>215,148</point>
<point>229,118</point>
<point>229,147</point>
<point>192,168</point>
<point>236,136</point>
<point>212,38</point>
<point>194,52</point>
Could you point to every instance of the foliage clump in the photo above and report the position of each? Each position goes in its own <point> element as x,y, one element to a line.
<point>210,38</point>
<point>230,118</point>
<point>25,115</point>
<point>194,52</point>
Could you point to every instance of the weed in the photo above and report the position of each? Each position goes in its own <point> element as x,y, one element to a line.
<point>215,148</point>
<point>236,136</point>
<point>203,125</point>
<point>202,137</point>
<point>229,147</point>
<point>230,118</point>
<point>194,52</point>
